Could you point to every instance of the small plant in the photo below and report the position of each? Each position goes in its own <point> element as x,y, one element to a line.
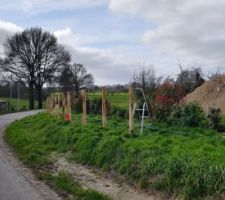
<point>214,117</point>
<point>119,112</point>
<point>95,106</point>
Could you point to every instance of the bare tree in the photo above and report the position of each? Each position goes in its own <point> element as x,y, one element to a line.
<point>146,79</point>
<point>74,77</point>
<point>218,73</point>
<point>190,79</point>
<point>34,56</point>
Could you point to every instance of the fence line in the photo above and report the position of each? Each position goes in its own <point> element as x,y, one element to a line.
<point>60,105</point>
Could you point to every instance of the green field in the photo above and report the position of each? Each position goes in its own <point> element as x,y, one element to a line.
<point>24,104</point>
<point>119,99</point>
<point>188,163</point>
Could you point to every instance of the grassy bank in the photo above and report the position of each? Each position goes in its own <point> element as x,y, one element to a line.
<point>188,162</point>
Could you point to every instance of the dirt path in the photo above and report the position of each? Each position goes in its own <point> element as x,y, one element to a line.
<point>90,179</point>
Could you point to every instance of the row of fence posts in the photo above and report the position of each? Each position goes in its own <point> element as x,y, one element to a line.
<point>60,105</point>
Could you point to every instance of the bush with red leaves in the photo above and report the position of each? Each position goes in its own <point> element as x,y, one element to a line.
<point>167,95</point>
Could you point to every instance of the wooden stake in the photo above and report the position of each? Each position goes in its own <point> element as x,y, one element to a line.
<point>63,104</point>
<point>84,107</point>
<point>58,105</point>
<point>55,104</point>
<point>104,108</point>
<point>48,104</point>
<point>68,107</point>
<point>52,103</point>
<point>131,107</point>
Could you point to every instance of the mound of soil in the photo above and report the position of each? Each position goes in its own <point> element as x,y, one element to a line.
<point>210,94</point>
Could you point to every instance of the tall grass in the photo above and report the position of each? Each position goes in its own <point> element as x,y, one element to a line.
<point>187,162</point>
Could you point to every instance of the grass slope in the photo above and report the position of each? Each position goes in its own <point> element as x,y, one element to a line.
<point>181,161</point>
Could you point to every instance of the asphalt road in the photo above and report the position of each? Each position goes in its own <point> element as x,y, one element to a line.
<point>13,184</point>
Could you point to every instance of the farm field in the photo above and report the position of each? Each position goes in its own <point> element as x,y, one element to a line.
<point>119,99</point>
<point>182,162</point>
<point>24,104</point>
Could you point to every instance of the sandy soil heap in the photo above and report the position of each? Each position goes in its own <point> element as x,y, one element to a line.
<point>210,94</point>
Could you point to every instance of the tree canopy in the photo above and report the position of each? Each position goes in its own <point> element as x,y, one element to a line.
<point>35,56</point>
<point>74,77</point>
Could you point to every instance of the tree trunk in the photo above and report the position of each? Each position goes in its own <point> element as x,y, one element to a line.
<point>31,96</point>
<point>39,94</point>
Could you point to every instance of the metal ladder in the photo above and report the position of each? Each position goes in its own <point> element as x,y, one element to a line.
<point>143,109</point>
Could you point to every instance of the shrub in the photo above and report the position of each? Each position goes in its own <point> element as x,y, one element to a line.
<point>214,117</point>
<point>167,95</point>
<point>77,105</point>
<point>190,115</point>
<point>95,106</point>
<point>119,112</point>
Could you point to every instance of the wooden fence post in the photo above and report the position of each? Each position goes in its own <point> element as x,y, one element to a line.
<point>104,108</point>
<point>68,107</point>
<point>131,107</point>
<point>63,104</point>
<point>58,105</point>
<point>55,105</point>
<point>84,107</point>
<point>52,103</point>
<point>48,104</point>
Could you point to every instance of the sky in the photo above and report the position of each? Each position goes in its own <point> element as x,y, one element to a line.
<point>113,38</point>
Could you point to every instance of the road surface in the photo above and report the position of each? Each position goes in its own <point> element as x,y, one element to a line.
<point>16,181</point>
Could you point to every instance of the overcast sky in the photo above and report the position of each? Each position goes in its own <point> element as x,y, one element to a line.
<point>112,37</point>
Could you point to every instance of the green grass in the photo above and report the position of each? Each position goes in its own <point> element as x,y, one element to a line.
<point>24,103</point>
<point>187,162</point>
<point>119,99</point>
<point>68,188</point>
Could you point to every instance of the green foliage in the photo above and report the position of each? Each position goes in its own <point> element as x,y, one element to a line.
<point>119,112</point>
<point>95,106</point>
<point>188,115</point>
<point>189,162</point>
<point>215,118</point>
<point>64,183</point>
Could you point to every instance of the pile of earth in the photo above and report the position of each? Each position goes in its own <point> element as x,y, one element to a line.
<point>209,95</point>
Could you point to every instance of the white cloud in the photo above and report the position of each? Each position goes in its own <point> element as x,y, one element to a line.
<point>193,31</point>
<point>67,36</point>
<point>36,6</point>
<point>104,64</point>
<point>7,29</point>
